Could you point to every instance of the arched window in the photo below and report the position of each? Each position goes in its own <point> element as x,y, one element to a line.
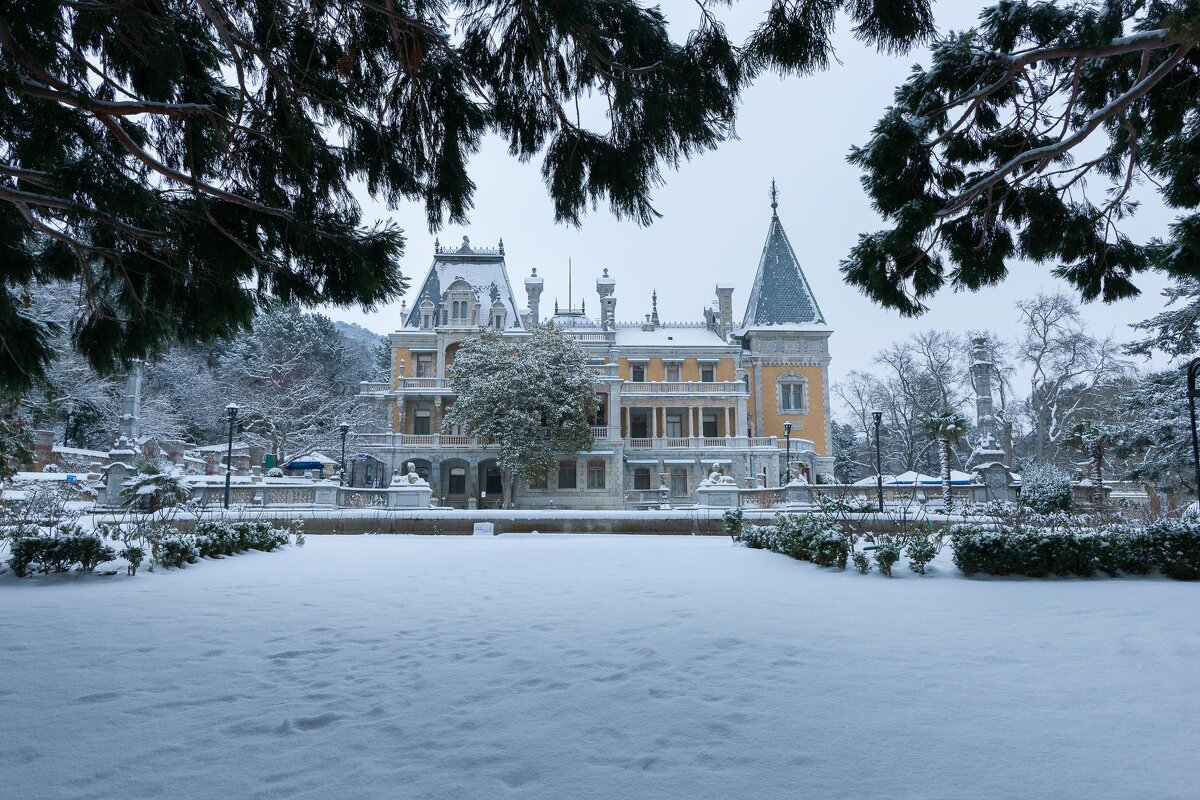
<point>792,393</point>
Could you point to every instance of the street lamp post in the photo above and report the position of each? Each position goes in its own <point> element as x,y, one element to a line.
<point>878,417</point>
<point>345,428</point>
<point>232,411</point>
<point>1193,393</point>
<point>787,433</point>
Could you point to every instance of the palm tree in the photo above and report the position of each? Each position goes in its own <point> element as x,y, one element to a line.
<point>949,426</point>
<point>1091,440</point>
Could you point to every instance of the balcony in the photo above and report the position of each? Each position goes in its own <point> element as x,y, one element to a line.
<point>440,441</point>
<point>714,443</point>
<point>678,388</point>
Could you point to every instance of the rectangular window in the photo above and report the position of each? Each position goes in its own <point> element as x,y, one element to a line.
<point>566,475</point>
<point>674,426</point>
<point>641,478</point>
<point>679,481</point>
<point>421,423</point>
<point>673,372</point>
<point>538,481</point>
<point>595,475</point>
<point>639,425</point>
<point>638,373</point>
<point>424,365</point>
<point>792,397</point>
<point>708,373</point>
<point>710,424</point>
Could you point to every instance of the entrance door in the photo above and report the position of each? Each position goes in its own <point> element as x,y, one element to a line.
<point>639,425</point>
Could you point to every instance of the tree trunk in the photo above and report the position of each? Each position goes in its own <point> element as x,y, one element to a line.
<point>944,452</point>
<point>1098,477</point>
<point>506,488</point>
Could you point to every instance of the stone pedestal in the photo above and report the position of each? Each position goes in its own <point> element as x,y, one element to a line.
<point>409,490</point>
<point>799,492</point>
<point>719,495</point>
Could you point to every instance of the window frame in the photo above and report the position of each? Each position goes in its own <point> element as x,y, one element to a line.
<point>638,473</point>
<point>573,472</point>
<point>597,466</point>
<point>680,473</point>
<point>788,388</point>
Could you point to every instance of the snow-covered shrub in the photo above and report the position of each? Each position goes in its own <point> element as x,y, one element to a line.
<point>731,523</point>
<point>887,553</point>
<point>58,552</point>
<point>134,555</point>
<point>174,551</point>
<point>216,539</point>
<point>830,548</point>
<point>1178,548</point>
<point>920,551</point>
<point>862,562</point>
<point>1045,488</point>
<point>296,529</point>
<point>50,468</point>
<point>275,472</point>
<point>803,537</point>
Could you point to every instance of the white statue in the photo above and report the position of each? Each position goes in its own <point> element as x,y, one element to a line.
<point>717,477</point>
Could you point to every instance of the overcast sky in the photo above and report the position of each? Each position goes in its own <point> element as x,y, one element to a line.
<point>715,211</point>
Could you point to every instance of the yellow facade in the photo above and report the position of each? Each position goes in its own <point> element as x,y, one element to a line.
<point>809,424</point>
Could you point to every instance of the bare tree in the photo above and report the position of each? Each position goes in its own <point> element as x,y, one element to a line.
<point>1067,365</point>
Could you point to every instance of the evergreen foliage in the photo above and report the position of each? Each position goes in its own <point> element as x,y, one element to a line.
<point>1045,488</point>
<point>980,159</point>
<point>532,396</point>
<point>183,163</point>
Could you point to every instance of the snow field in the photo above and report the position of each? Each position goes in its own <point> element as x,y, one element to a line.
<point>591,667</point>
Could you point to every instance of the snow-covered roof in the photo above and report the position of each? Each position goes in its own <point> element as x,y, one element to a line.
<point>79,451</point>
<point>668,336</point>
<point>483,269</point>
<point>781,294</point>
<point>912,478</point>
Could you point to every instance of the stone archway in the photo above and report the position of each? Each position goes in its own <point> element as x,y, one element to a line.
<point>491,493</point>
<point>455,482</point>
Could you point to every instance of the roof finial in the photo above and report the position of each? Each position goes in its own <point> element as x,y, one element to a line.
<point>501,245</point>
<point>774,199</point>
<point>654,307</point>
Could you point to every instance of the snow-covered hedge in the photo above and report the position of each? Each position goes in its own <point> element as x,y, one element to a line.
<point>59,551</point>
<point>218,538</point>
<point>1045,488</point>
<point>1037,550</point>
<point>807,538</point>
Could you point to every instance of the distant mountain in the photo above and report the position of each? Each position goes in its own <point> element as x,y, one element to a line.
<point>357,334</point>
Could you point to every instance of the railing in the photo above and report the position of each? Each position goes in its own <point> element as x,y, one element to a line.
<point>708,442</point>
<point>588,336</point>
<point>684,387</point>
<point>599,433</point>
<point>419,384</point>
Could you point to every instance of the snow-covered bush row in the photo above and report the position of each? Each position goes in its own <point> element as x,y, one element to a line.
<point>1037,550</point>
<point>67,547</point>
<point>819,539</point>
<point>216,539</point>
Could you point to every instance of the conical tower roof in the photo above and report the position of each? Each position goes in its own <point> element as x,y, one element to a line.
<point>781,294</point>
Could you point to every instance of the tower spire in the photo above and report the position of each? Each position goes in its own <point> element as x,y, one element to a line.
<point>774,199</point>
<point>654,307</point>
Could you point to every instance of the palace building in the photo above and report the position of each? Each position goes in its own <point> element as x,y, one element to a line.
<point>675,398</point>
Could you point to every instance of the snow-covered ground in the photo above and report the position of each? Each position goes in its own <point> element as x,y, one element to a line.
<point>592,667</point>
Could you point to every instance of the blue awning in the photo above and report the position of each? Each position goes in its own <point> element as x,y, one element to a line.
<point>305,465</point>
